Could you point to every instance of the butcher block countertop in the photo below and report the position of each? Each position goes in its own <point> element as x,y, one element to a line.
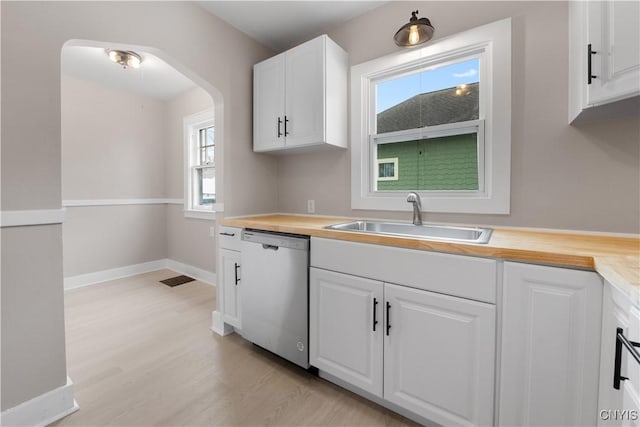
<point>615,258</point>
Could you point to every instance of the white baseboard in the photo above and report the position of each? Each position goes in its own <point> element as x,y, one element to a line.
<point>131,270</point>
<point>191,271</point>
<point>42,410</point>
<point>218,326</point>
<point>113,274</point>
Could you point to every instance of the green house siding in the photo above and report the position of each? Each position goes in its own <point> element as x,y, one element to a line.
<point>446,163</point>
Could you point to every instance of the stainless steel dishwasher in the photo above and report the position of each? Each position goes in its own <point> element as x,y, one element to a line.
<point>274,293</point>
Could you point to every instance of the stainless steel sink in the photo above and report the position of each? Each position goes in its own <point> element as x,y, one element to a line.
<point>426,231</point>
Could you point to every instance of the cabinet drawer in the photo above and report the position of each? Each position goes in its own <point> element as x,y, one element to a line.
<point>458,275</point>
<point>229,237</point>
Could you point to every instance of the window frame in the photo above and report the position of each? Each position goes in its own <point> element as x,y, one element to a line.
<point>492,44</point>
<point>193,124</point>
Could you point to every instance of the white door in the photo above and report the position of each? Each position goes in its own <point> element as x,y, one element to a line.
<point>230,279</point>
<point>345,328</point>
<point>439,356</point>
<point>614,34</point>
<point>550,346</point>
<point>305,89</point>
<point>268,104</point>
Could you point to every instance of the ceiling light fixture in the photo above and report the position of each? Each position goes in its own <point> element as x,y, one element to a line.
<point>415,32</point>
<point>125,58</point>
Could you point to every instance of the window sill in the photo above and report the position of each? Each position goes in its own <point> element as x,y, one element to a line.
<point>201,214</point>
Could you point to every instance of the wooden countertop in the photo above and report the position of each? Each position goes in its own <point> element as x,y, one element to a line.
<point>615,258</point>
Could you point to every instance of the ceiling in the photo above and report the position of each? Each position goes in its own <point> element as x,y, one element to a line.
<point>155,78</point>
<point>276,24</point>
<point>284,24</point>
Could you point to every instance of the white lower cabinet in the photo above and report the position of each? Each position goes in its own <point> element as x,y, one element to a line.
<point>621,406</point>
<point>230,282</point>
<point>550,346</point>
<point>345,328</point>
<point>439,356</point>
<point>434,352</point>
<point>229,239</point>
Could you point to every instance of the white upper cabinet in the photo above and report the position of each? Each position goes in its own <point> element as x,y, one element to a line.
<point>300,98</point>
<point>604,58</point>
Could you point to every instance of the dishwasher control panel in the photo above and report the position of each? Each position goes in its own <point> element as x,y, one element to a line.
<point>276,240</point>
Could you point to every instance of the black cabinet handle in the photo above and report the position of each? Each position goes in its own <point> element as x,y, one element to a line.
<point>286,132</point>
<point>228,234</point>
<point>589,54</point>
<point>236,265</point>
<point>375,314</point>
<point>285,127</point>
<point>388,322</point>
<point>630,345</point>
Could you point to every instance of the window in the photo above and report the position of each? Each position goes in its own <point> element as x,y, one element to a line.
<point>387,169</point>
<point>435,120</point>
<point>200,165</point>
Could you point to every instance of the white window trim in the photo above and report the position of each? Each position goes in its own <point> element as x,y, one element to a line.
<point>495,41</point>
<point>190,123</point>
<point>393,160</point>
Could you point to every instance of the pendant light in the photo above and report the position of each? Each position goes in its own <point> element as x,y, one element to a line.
<point>415,32</point>
<point>125,58</point>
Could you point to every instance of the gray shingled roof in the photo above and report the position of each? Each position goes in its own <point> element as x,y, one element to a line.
<point>429,109</point>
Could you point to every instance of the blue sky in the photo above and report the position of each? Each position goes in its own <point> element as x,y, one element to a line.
<point>393,92</point>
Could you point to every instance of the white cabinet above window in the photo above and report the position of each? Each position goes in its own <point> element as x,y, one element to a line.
<point>300,98</point>
<point>604,59</point>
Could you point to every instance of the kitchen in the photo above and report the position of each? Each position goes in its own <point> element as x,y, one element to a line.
<point>581,177</point>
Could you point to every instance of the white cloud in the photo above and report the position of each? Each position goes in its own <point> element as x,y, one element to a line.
<point>470,73</point>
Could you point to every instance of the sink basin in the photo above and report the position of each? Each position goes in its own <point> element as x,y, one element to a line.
<point>430,232</point>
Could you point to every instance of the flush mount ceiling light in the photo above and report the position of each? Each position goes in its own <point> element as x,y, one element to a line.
<point>125,58</point>
<point>415,32</point>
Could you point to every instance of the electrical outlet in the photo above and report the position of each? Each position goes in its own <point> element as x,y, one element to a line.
<point>311,206</point>
<point>212,231</point>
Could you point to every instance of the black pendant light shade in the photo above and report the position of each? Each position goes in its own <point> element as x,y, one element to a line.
<point>414,33</point>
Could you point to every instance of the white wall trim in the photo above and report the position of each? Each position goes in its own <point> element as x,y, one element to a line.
<point>42,410</point>
<point>31,217</point>
<point>118,202</point>
<point>82,280</point>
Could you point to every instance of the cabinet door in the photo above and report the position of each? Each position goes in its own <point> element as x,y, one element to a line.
<point>268,104</point>
<point>230,280</point>
<point>345,340</point>
<point>305,89</point>
<point>615,36</point>
<point>550,346</point>
<point>439,356</point>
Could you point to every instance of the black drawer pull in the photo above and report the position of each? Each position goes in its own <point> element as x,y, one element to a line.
<point>375,314</point>
<point>227,234</point>
<point>388,322</point>
<point>589,54</point>
<point>630,345</point>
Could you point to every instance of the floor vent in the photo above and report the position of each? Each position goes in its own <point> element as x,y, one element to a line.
<point>178,280</point>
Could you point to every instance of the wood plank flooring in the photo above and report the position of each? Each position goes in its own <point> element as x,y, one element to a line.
<point>141,354</point>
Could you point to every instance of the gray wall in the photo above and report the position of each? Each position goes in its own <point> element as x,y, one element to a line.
<point>188,239</point>
<point>127,146</point>
<point>113,147</point>
<point>201,46</point>
<point>565,177</point>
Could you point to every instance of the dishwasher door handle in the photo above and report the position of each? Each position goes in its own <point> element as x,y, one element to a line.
<point>265,246</point>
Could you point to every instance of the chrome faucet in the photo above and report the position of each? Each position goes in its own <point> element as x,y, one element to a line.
<point>417,207</point>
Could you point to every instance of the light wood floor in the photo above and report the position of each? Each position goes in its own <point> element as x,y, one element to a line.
<point>141,354</point>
